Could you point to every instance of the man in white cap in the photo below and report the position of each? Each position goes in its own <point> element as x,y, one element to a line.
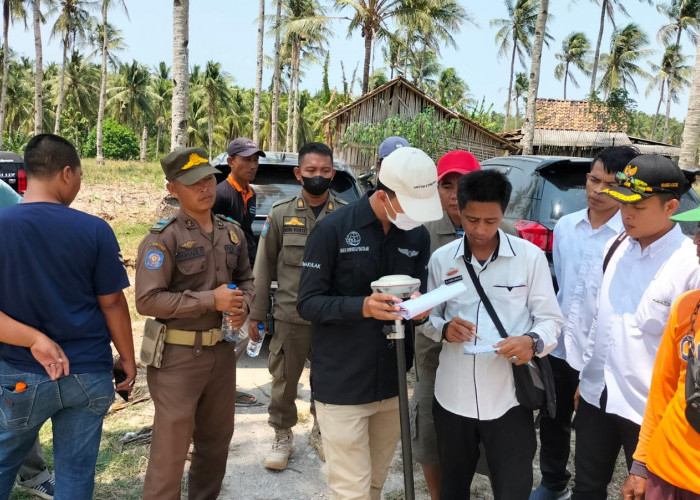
<point>354,380</point>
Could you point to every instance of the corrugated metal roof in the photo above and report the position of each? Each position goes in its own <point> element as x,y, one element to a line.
<point>576,138</point>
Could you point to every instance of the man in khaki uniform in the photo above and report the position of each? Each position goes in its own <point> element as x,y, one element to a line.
<point>279,257</point>
<point>423,440</point>
<point>183,269</point>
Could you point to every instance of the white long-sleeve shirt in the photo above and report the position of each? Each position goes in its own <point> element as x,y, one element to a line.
<point>578,253</point>
<point>518,283</point>
<point>634,303</point>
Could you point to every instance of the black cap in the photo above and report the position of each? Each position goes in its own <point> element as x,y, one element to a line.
<point>646,176</point>
<point>187,165</point>
<point>243,147</point>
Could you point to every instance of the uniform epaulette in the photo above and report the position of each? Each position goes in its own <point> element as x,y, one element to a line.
<point>161,224</point>
<point>283,201</point>
<point>227,219</point>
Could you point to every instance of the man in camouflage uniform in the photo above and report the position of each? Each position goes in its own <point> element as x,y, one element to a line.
<point>183,269</point>
<point>279,256</point>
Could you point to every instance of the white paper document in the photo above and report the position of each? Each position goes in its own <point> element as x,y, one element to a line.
<point>478,349</point>
<point>443,293</point>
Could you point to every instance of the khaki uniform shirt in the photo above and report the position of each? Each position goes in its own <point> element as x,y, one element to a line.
<point>280,252</point>
<point>441,232</point>
<point>178,268</point>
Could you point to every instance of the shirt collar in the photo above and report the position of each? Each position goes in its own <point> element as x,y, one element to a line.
<point>614,223</point>
<point>365,214</point>
<point>504,248</point>
<point>671,238</point>
<point>444,225</point>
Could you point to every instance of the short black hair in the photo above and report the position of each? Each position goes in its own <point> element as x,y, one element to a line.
<point>484,186</point>
<point>615,158</point>
<point>47,154</point>
<point>315,147</point>
<point>381,187</point>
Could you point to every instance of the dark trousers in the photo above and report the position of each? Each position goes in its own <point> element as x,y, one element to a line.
<point>510,445</point>
<point>660,489</point>
<point>599,436</point>
<point>555,433</point>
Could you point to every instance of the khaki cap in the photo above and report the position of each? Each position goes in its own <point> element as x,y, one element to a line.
<point>187,165</point>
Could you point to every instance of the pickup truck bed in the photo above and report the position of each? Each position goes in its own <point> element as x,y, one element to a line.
<point>12,171</point>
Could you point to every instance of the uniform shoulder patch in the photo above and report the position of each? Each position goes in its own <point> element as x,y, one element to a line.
<point>154,259</point>
<point>227,219</point>
<point>161,224</point>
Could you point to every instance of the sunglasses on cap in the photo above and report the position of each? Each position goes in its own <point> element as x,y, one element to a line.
<point>637,185</point>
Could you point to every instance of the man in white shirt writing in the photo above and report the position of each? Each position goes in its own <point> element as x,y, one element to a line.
<point>475,397</point>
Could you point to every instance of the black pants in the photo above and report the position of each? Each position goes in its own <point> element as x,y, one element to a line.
<point>510,445</point>
<point>599,436</point>
<point>555,433</point>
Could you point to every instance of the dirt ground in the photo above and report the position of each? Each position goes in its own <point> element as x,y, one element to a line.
<point>246,478</point>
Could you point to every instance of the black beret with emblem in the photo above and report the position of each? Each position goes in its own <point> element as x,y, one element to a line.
<point>187,165</point>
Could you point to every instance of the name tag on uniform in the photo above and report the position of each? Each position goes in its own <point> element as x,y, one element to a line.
<point>190,254</point>
<point>233,249</point>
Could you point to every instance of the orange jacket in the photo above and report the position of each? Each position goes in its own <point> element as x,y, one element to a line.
<point>667,444</point>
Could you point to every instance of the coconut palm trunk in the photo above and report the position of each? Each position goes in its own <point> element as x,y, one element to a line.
<point>103,87</point>
<point>510,85</point>
<point>691,131</point>
<point>295,118</point>
<point>259,74</point>
<point>290,105</point>
<point>39,69</point>
<point>61,87</point>
<point>658,109</point>
<point>144,142</point>
<point>566,77</point>
<point>274,113</point>
<point>369,35</point>
<point>596,57</point>
<point>529,125</point>
<point>5,63</point>
<point>181,10</point>
<point>671,78</point>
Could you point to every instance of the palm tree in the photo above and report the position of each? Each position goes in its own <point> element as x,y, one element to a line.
<point>627,46</point>
<point>71,23</point>
<point>370,17</point>
<point>691,130</point>
<point>258,74</point>
<point>671,64</point>
<point>452,91</point>
<point>683,15</point>
<point>520,88</point>
<point>514,36</point>
<point>11,10</point>
<point>216,94</point>
<point>276,76</point>
<point>575,49</point>
<point>181,10</point>
<point>540,35</point>
<point>106,4</point>
<point>37,19</point>
<point>133,98</point>
<point>162,86</point>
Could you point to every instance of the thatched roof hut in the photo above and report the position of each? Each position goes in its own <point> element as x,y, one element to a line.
<point>400,97</point>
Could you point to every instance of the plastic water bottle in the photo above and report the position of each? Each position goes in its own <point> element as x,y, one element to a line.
<point>254,347</point>
<point>228,333</point>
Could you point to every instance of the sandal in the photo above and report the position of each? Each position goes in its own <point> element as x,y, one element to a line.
<point>245,399</point>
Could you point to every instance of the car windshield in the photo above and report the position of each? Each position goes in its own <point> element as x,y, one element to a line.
<point>562,196</point>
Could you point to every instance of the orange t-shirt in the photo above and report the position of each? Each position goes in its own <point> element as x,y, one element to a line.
<point>668,445</point>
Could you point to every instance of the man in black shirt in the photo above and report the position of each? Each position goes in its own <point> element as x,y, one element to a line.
<point>354,380</point>
<point>235,197</point>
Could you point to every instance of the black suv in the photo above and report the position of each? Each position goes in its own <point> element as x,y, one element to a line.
<point>545,188</point>
<point>275,181</point>
<point>12,171</point>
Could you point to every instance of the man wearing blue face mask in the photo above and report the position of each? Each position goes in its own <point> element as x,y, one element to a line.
<point>354,378</point>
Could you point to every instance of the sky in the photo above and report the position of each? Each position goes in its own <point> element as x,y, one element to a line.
<point>226,31</point>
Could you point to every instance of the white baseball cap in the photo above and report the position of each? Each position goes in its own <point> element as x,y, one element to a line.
<point>412,175</point>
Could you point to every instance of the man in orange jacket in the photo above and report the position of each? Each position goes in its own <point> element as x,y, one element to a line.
<point>667,459</point>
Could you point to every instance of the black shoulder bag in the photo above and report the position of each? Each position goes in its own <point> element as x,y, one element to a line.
<point>534,381</point>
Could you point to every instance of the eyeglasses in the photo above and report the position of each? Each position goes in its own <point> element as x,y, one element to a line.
<point>636,185</point>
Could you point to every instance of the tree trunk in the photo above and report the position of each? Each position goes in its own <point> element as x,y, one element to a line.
<point>61,88</point>
<point>290,104</point>
<point>259,74</point>
<point>295,118</point>
<point>671,78</point>
<point>210,131</point>
<point>405,56</point>
<point>596,57</point>
<point>510,87</point>
<point>274,112</point>
<point>144,142</point>
<point>691,131</point>
<point>39,70</point>
<point>103,87</point>
<point>159,134</point>
<point>658,108</point>
<point>566,77</point>
<point>529,125</point>
<point>181,10</point>
<point>5,64</point>
<point>368,55</point>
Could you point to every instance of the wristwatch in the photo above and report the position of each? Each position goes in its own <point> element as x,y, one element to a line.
<point>537,343</point>
<point>444,331</point>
